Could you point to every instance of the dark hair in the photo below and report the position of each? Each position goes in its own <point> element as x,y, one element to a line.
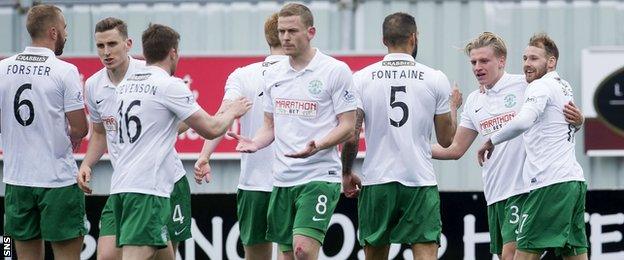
<point>542,41</point>
<point>270,31</point>
<point>40,18</point>
<point>397,28</point>
<point>294,9</point>
<point>111,23</point>
<point>158,40</point>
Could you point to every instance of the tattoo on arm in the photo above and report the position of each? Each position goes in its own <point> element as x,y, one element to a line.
<point>350,147</point>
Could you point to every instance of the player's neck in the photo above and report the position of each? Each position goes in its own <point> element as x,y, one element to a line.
<point>43,44</point>
<point>116,75</point>
<point>400,49</point>
<point>276,51</point>
<point>301,61</point>
<point>166,66</point>
<point>500,76</point>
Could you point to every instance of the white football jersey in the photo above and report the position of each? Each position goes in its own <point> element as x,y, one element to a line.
<point>305,105</point>
<point>150,106</point>
<point>550,141</point>
<point>487,113</point>
<point>400,97</point>
<point>248,81</point>
<point>36,90</point>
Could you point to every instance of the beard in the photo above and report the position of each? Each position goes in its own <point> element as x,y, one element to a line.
<point>415,51</point>
<point>538,74</point>
<point>59,45</point>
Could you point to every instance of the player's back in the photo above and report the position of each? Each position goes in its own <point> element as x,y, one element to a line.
<point>550,142</point>
<point>400,98</point>
<point>151,105</point>
<point>36,90</point>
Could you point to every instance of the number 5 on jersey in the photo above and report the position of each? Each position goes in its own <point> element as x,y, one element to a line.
<point>395,104</point>
<point>124,119</point>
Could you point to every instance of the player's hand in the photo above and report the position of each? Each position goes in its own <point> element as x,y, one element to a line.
<point>485,151</point>
<point>573,114</point>
<point>309,150</point>
<point>456,99</point>
<point>202,170</point>
<point>75,142</point>
<point>239,106</point>
<point>245,145</point>
<point>84,176</point>
<point>351,184</point>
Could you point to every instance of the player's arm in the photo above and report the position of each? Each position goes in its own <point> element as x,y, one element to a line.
<point>461,142</point>
<point>536,99</point>
<point>339,134</point>
<point>182,127</point>
<point>350,181</point>
<point>263,138</point>
<point>202,168</point>
<point>211,127</point>
<point>78,127</point>
<point>97,148</point>
<point>445,129</point>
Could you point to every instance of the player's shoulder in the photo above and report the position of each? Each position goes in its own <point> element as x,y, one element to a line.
<point>472,97</point>
<point>62,65</point>
<point>362,73</point>
<point>436,74</point>
<point>95,78</point>
<point>8,59</point>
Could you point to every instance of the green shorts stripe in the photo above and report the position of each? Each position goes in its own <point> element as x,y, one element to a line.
<point>554,217</point>
<point>180,219</point>
<point>251,209</point>
<point>503,219</point>
<point>301,210</point>
<point>395,213</point>
<point>52,214</point>
<point>141,219</point>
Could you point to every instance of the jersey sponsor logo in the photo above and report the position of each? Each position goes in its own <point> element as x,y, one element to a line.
<point>510,100</point>
<point>495,123</point>
<point>139,76</point>
<point>110,123</point>
<point>293,107</point>
<point>315,87</point>
<point>31,58</point>
<point>398,63</point>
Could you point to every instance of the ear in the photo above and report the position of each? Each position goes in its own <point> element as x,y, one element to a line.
<point>173,53</point>
<point>311,32</point>
<point>128,43</point>
<point>501,62</point>
<point>551,63</point>
<point>53,33</point>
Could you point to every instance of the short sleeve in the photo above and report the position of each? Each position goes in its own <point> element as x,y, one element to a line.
<point>180,100</point>
<point>233,86</point>
<point>72,91</point>
<point>358,87</point>
<point>466,119</point>
<point>443,93</point>
<point>342,90</point>
<point>537,96</point>
<point>94,114</point>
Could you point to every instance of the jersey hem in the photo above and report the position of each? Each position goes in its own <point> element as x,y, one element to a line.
<point>250,188</point>
<point>41,185</point>
<point>505,197</point>
<point>405,183</point>
<point>291,184</point>
<point>557,182</point>
<point>141,191</point>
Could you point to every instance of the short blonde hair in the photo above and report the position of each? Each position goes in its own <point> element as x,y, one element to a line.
<point>488,39</point>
